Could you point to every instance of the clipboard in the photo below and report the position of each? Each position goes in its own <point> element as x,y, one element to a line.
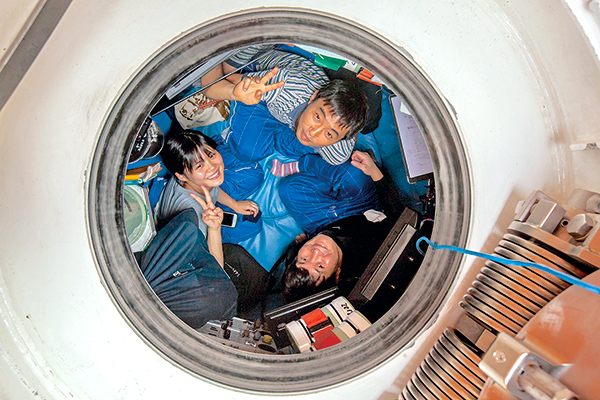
<point>415,154</point>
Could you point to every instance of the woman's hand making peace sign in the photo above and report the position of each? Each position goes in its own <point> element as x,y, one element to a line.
<point>212,215</point>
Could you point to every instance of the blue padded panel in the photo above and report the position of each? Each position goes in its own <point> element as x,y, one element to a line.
<point>368,141</point>
<point>386,137</point>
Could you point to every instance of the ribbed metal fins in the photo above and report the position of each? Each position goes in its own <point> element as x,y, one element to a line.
<point>503,298</point>
<point>449,372</point>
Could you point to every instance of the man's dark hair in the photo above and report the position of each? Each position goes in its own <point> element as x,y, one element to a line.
<point>297,282</point>
<point>349,103</point>
<point>182,151</point>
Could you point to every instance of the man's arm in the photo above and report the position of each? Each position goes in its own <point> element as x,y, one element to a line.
<point>236,87</point>
<point>388,195</point>
<point>365,163</point>
<point>221,90</point>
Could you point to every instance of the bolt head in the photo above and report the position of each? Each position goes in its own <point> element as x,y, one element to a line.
<point>499,356</point>
<point>579,226</point>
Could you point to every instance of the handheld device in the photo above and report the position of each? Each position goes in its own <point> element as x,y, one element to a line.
<point>251,217</point>
<point>229,219</point>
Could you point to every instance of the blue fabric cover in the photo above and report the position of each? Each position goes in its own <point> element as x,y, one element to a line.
<point>279,228</point>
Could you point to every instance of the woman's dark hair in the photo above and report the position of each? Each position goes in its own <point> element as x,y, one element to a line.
<point>297,282</point>
<point>349,103</point>
<point>182,151</point>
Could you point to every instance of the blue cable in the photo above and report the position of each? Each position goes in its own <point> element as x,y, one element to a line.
<point>566,277</point>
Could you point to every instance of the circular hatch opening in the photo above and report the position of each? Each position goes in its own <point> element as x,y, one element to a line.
<point>262,372</point>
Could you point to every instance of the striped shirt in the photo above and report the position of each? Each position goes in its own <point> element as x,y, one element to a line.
<point>302,79</point>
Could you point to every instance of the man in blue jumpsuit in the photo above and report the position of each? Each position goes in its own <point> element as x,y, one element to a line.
<point>302,113</point>
<point>317,193</point>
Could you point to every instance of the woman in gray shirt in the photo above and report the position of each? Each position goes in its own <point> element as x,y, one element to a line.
<point>198,171</point>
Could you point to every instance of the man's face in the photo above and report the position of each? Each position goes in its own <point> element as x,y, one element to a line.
<point>317,126</point>
<point>206,172</point>
<point>321,257</point>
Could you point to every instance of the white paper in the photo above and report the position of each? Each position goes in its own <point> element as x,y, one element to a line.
<point>413,145</point>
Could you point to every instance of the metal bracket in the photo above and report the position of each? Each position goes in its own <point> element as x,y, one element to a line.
<point>523,373</point>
